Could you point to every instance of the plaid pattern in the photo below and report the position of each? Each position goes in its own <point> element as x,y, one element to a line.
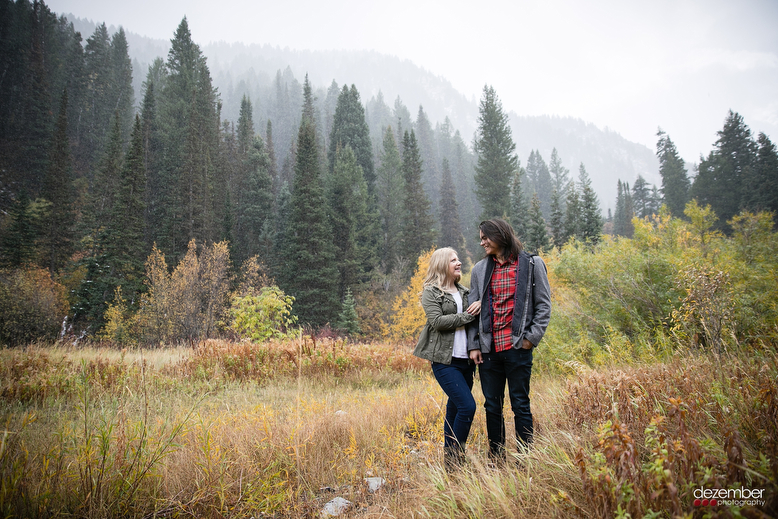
<point>502,291</point>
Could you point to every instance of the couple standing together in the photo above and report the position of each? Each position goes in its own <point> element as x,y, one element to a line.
<point>494,325</point>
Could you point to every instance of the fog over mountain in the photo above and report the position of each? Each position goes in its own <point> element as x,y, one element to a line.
<point>239,69</point>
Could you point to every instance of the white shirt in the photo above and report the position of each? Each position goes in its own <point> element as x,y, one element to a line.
<point>460,337</point>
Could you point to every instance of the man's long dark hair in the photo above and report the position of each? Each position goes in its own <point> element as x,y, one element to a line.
<point>501,233</point>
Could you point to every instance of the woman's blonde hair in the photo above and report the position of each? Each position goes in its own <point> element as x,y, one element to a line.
<point>438,268</point>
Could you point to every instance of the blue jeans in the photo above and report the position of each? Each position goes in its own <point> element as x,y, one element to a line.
<point>513,366</point>
<point>456,380</point>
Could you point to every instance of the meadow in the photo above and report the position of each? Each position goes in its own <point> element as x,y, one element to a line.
<point>236,429</point>
<point>654,393</point>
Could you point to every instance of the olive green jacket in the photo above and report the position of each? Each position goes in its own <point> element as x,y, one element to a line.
<point>436,342</point>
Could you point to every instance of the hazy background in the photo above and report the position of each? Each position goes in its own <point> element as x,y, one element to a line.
<point>627,66</point>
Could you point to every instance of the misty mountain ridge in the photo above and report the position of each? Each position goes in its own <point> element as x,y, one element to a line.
<point>239,69</point>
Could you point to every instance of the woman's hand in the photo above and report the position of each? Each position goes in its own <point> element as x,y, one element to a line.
<point>474,308</point>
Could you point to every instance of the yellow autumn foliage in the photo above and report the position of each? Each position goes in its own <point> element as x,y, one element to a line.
<point>407,314</point>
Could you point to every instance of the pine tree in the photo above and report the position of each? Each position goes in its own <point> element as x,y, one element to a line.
<point>125,239</point>
<point>122,96</point>
<point>560,175</point>
<point>310,271</point>
<point>450,228</point>
<point>349,128</point>
<point>497,160</point>
<point>348,320</point>
<point>256,204</point>
<point>390,196</point>
<point>573,216</point>
<point>273,171</point>
<point>519,215</point>
<point>724,178</point>
<point>557,222</point>
<point>58,190</point>
<point>539,181</point>
<point>351,222</point>
<point>622,219</point>
<point>430,176</point>
<point>591,217</point>
<point>106,179</point>
<point>19,239</point>
<point>537,237</point>
<point>418,231</point>
<point>675,181</point>
<point>641,198</point>
<point>765,176</point>
<point>245,127</point>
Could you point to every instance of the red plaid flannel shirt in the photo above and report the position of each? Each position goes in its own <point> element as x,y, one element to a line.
<point>503,290</point>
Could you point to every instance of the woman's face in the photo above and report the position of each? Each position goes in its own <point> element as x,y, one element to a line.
<point>489,246</point>
<point>454,267</point>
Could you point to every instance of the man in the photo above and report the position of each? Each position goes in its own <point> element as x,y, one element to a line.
<point>512,286</point>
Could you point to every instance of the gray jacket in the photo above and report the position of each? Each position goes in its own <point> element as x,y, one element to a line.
<point>532,304</point>
<point>436,342</point>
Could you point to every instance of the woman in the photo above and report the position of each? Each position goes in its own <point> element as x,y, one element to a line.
<point>443,341</point>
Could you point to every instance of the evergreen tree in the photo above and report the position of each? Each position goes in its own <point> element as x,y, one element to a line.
<point>675,181</point>
<point>125,244</point>
<point>537,236</point>
<point>390,195</point>
<point>273,171</point>
<point>158,190</point>
<point>256,204</point>
<point>591,216</point>
<point>724,179</point>
<point>19,239</point>
<point>641,198</point>
<point>539,181</point>
<point>497,160</point>
<point>122,96</point>
<point>310,272</point>
<point>348,320</point>
<point>765,176</point>
<point>245,127</point>
<point>519,215</point>
<point>349,128</point>
<point>557,220</point>
<point>351,222</point>
<point>58,190</point>
<point>560,175</point>
<point>573,216</point>
<point>106,179</point>
<point>622,219</point>
<point>418,231</point>
<point>430,176</point>
<point>450,228</point>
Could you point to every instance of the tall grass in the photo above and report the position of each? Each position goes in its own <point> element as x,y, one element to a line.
<point>239,430</point>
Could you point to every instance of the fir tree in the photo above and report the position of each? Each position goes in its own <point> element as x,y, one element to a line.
<point>765,176</point>
<point>390,196</point>
<point>675,181</point>
<point>591,217</point>
<point>450,228</point>
<point>560,175</point>
<point>537,237</point>
<point>351,222</point>
<point>348,319</point>
<point>622,219</point>
<point>497,160</point>
<point>418,231</point>
<point>256,204</point>
<point>539,181</point>
<point>430,176</point>
<point>573,216</point>
<point>310,271</point>
<point>349,128</point>
<point>19,239</point>
<point>724,178</point>
<point>58,190</point>
<point>557,222</point>
<point>641,198</point>
<point>519,215</point>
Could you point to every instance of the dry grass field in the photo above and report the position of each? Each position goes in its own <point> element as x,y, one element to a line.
<point>279,429</point>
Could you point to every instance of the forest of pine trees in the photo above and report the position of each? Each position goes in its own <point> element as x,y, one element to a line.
<point>334,197</point>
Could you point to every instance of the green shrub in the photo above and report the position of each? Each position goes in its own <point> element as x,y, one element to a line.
<point>263,316</point>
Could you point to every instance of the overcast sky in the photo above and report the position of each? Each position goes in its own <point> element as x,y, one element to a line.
<point>627,65</point>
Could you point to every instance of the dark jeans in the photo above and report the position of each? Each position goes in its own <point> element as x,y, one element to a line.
<point>515,367</point>
<point>456,380</point>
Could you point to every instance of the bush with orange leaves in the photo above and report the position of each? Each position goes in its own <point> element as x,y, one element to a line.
<point>408,318</point>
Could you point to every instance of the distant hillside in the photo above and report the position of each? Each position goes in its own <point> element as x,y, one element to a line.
<point>606,155</point>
